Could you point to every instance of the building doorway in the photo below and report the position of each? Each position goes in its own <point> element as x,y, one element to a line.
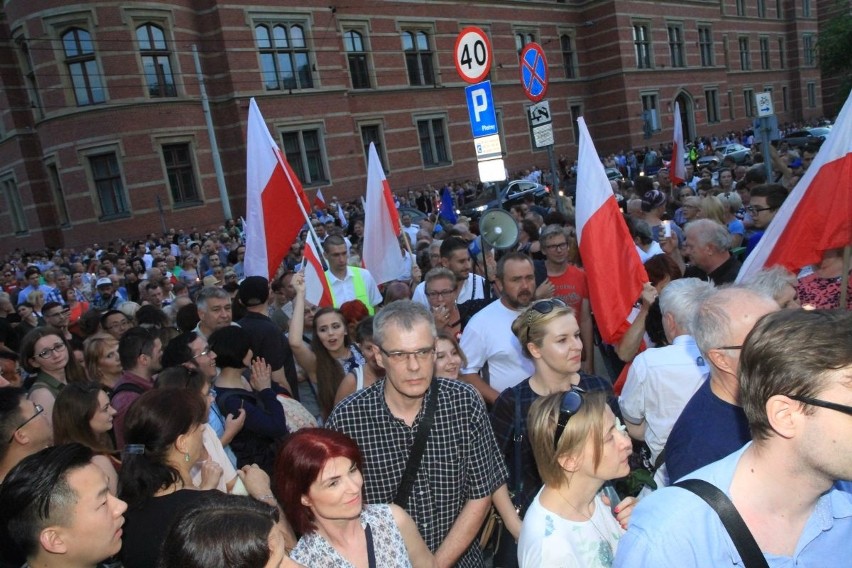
<point>687,116</point>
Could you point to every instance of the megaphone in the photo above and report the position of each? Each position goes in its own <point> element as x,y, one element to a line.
<point>498,229</point>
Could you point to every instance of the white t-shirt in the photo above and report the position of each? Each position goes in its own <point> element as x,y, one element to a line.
<point>548,540</point>
<point>488,338</point>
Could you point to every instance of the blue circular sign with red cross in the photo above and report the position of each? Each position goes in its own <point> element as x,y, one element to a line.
<point>534,72</point>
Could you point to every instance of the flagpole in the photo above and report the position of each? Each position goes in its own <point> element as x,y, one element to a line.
<point>844,277</point>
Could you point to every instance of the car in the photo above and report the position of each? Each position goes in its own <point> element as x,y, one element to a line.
<point>807,137</point>
<point>511,194</point>
<point>612,174</point>
<point>737,151</point>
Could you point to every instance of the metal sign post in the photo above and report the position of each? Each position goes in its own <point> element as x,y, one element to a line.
<point>765,111</point>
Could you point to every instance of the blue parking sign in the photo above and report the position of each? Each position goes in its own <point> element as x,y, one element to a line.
<point>480,106</point>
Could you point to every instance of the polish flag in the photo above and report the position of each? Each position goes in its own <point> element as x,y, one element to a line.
<point>317,290</point>
<point>614,272</point>
<point>340,215</point>
<point>677,170</point>
<point>380,252</point>
<point>817,215</point>
<point>276,205</point>
<point>319,200</point>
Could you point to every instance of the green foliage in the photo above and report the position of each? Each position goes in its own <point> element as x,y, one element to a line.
<point>833,46</point>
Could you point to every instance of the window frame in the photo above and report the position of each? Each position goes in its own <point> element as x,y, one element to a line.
<point>706,45</point>
<point>88,65</point>
<point>302,168</point>
<point>55,181</point>
<point>424,58</point>
<point>291,52</point>
<point>810,89</point>
<point>569,56</point>
<point>379,142</point>
<point>430,119</point>
<point>358,56</point>
<point>191,166</point>
<point>711,100</point>
<point>14,204</point>
<point>100,152</point>
<point>749,103</point>
<point>651,96</point>
<point>744,44</point>
<point>765,56</point>
<point>808,50</point>
<point>156,54</point>
<point>642,46</point>
<point>677,47</point>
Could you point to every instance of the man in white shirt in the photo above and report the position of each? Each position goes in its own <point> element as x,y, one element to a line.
<point>662,380</point>
<point>488,337</point>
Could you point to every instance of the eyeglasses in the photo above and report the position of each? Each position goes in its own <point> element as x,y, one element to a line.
<point>119,324</point>
<point>544,307</point>
<point>403,356</point>
<point>753,209</point>
<point>440,293</point>
<point>557,246</point>
<point>572,402</point>
<point>206,351</point>
<point>824,404</point>
<point>38,410</point>
<point>735,347</point>
<point>57,348</point>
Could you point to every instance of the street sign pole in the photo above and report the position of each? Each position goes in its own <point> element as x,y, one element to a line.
<point>765,111</point>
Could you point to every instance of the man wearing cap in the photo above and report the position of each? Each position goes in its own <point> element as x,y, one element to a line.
<point>106,298</point>
<point>267,341</point>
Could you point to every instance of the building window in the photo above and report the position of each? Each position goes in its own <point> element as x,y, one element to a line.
<point>745,54</point>
<point>811,94</point>
<point>569,56</point>
<point>353,43</point>
<point>284,56</point>
<point>705,45</point>
<point>741,8</point>
<point>29,77</point>
<point>782,53</point>
<point>650,113</point>
<point>642,46</point>
<point>779,9</point>
<point>82,67</point>
<point>418,58</point>
<point>304,154</point>
<point>731,112</point>
<point>748,102</point>
<point>156,62</point>
<point>522,39</point>
<point>806,8</point>
<point>108,185</point>
<point>808,46</point>
<point>58,196</point>
<point>761,8</point>
<point>433,141</point>
<point>764,53</point>
<point>181,174</point>
<point>676,45</point>
<point>711,97</point>
<point>576,112</point>
<point>784,103</point>
<point>373,133</point>
<point>14,205</point>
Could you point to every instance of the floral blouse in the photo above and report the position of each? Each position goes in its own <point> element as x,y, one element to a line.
<point>314,551</point>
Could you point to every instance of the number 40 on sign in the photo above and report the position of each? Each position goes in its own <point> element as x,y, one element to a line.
<point>473,55</point>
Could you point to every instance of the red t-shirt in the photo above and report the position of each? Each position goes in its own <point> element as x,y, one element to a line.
<point>571,287</point>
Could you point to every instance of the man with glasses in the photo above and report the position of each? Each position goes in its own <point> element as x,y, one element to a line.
<point>568,283</point>
<point>24,428</point>
<point>460,466</point>
<point>115,323</point>
<point>58,316</point>
<point>764,204</point>
<point>713,424</point>
<point>455,256</point>
<point>796,389</point>
<point>140,352</point>
<point>215,310</point>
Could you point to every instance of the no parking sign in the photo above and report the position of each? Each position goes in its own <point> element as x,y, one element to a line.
<point>534,73</point>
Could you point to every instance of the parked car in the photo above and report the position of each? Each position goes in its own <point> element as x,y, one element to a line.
<point>511,193</point>
<point>737,151</point>
<point>807,137</point>
<point>613,174</point>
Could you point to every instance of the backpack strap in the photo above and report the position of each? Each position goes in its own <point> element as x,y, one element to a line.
<point>127,387</point>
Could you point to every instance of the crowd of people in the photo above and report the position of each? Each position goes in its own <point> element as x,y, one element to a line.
<point>159,407</point>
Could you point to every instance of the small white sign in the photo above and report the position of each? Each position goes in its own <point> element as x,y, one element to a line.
<point>488,147</point>
<point>539,114</point>
<point>543,135</point>
<point>764,104</point>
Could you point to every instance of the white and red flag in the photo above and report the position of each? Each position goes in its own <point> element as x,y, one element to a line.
<point>380,252</point>
<point>677,169</point>
<point>319,200</point>
<point>317,290</point>
<point>276,204</point>
<point>614,272</point>
<point>817,215</point>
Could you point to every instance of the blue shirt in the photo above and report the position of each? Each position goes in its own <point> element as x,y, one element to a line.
<point>708,429</point>
<point>675,528</point>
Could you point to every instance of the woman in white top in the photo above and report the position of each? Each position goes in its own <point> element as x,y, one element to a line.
<point>578,445</point>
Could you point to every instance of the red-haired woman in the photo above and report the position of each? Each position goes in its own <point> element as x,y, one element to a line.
<point>319,485</point>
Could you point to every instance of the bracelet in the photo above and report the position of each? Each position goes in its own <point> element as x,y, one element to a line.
<point>266,497</point>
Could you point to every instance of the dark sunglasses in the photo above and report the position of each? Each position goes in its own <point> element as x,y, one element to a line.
<point>572,402</point>
<point>544,307</point>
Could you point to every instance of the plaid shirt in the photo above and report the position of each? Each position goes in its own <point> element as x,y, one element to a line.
<point>461,461</point>
<point>503,419</point>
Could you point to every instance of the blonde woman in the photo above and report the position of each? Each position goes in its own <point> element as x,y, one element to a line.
<point>578,445</point>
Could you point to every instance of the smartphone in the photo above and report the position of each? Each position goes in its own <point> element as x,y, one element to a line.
<point>667,229</point>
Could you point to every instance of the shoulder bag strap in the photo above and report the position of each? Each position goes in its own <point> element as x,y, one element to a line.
<point>371,550</point>
<point>744,541</point>
<point>417,448</point>
<point>518,434</point>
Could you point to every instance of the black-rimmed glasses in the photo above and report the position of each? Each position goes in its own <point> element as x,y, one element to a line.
<point>572,402</point>
<point>46,353</point>
<point>752,209</point>
<point>38,410</point>
<point>734,347</point>
<point>824,404</point>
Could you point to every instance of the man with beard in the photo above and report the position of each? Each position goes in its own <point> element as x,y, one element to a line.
<point>488,337</point>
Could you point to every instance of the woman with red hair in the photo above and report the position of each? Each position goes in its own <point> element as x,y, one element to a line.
<point>319,485</point>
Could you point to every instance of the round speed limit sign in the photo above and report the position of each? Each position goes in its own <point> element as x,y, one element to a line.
<point>473,55</point>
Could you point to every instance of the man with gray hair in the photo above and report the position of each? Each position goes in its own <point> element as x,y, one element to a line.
<point>450,492</point>
<point>713,424</point>
<point>215,310</point>
<point>662,380</point>
<point>708,243</point>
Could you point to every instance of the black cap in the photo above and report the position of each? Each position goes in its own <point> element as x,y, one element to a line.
<point>254,291</point>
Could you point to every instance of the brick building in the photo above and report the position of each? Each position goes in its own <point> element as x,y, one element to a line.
<point>102,123</point>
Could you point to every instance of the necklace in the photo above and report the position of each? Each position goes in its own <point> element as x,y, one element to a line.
<point>588,519</point>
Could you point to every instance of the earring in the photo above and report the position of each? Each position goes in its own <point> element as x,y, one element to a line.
<point>186,458</point>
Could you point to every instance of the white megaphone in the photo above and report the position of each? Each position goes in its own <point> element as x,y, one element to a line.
<point>498,229</point>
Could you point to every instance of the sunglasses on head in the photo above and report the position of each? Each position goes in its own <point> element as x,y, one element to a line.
<point>572,402</point>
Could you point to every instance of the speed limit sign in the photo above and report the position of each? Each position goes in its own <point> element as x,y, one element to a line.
<point>473,55</point>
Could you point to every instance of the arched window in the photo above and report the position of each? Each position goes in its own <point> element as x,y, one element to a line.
<point>156,61</point>
<point>418,58</point>
<point>284,56</point>
<point>353,43</point>
<point>82,67</point>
